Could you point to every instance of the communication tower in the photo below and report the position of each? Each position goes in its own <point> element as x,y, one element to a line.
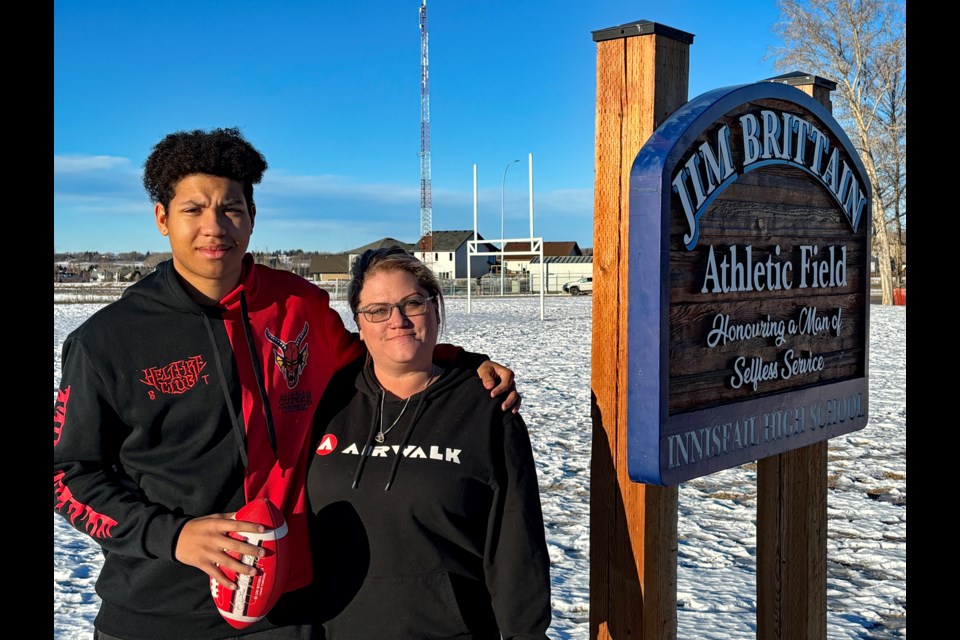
<point>426,198</point>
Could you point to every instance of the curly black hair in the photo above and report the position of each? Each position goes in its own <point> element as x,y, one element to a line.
<point>218,152</point>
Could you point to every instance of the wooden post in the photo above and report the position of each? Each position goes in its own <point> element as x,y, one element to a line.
<point>642,78</point>
<point>792,514</point>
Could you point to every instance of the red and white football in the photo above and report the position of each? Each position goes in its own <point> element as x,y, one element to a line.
<point>255,595</point>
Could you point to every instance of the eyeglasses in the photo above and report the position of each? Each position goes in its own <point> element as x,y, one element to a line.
<point>410,308</point>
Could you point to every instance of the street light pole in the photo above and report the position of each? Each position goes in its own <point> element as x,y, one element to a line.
<point>502,243</point>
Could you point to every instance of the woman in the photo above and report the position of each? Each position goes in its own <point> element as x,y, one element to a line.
<point>427,511</point>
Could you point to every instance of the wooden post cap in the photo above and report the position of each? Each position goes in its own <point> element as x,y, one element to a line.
<point>798,78</point>
<point>641,28</point>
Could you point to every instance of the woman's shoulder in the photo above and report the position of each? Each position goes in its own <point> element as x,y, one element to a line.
<point>464,384</point>
<point>466,395</point>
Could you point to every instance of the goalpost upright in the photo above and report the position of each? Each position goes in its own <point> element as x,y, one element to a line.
<point>536,244</point>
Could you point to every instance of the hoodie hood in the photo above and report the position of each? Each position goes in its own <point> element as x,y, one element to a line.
<point>163,286</point>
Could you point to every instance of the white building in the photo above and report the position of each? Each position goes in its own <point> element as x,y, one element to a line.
<point>448,258</point>
<point>520,263</point>
<point>558,270</point>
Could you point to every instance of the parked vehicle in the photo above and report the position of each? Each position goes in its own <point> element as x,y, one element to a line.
<point>582,285</point>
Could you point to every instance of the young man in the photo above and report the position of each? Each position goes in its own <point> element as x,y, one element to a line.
<point>194,394</point>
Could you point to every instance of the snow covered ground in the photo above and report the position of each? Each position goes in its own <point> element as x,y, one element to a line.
<point>716,573</point>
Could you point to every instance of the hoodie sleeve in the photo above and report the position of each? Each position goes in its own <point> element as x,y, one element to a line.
<point>449,355</point>
<point>90,489</point>
<point>516,562</point>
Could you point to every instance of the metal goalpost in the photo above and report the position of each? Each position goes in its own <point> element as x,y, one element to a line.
<point>473,246</point>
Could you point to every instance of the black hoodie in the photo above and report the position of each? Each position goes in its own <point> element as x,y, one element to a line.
<point>443,540</point>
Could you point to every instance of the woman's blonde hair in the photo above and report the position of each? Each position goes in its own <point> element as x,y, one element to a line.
<point>393,258</point>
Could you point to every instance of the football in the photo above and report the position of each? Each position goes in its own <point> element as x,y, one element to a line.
<point>255,595</point>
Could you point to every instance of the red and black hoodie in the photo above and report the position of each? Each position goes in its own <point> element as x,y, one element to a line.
<point>169,410</point>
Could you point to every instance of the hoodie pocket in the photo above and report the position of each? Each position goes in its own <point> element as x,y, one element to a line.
<point>401,608</point>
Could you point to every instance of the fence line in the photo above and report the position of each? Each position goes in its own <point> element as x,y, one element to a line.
<point>518,285</point>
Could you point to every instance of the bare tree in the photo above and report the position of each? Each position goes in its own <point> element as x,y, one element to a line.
<point>892,170</point>
<point>151,260</point>
<point>860,45</point>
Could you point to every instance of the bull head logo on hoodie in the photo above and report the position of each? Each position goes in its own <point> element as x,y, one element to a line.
<point>290,356</point>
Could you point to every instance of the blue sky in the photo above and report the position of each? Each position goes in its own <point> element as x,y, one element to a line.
<point>330,93</point>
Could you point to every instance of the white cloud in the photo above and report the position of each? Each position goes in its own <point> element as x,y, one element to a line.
<point>82,164</point>
<point>296,186</point>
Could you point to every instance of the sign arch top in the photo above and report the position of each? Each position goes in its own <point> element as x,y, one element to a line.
<point>800,141</point>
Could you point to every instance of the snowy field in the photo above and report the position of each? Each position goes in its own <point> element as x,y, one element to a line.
<point>716,573</point>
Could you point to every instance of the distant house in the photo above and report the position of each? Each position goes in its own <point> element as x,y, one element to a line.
<point>383,244</point>
<point>448,259</point>
<point>106,268</point>
<point>329,266</point>
<point>521,263</point>
<point>336,266</point>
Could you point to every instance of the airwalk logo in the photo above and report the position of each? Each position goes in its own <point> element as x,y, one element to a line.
<point>328,445</point>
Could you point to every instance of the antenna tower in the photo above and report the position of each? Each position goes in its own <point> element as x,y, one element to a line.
<point>426,198</point>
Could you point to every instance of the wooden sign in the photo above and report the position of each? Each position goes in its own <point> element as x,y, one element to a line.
<point>749,254</point>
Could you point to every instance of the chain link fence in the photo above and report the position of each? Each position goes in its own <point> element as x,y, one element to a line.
<point>489,285</point>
